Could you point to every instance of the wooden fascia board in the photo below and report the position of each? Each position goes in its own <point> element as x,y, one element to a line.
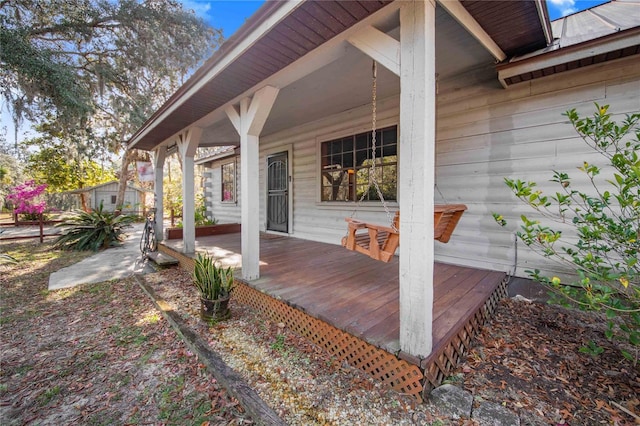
<point>229,57</point>
<point>543,14</point>
<point>557,57</point>
<point>464,18</point>
<point>324,54</point>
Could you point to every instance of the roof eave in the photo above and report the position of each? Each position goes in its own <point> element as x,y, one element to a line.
<point>553,61</point>
<point>259,17</point>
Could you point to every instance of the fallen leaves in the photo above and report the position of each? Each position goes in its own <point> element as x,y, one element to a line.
<point>528,355</point>
<point>97,354</point>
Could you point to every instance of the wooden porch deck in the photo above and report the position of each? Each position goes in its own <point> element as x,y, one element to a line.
<point>360,296</point>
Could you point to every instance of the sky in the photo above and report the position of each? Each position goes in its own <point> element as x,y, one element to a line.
<point>229,15</point>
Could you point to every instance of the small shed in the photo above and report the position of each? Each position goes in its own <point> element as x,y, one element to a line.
<point>107,193</point>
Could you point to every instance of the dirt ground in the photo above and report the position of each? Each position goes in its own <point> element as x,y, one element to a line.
<point>94,355</point>
<point>101,354</point>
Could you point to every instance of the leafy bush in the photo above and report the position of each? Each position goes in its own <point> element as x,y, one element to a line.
<point>604,250</point>
<point>27,199</point>
<point>213,282</point>
<point>92,230</point>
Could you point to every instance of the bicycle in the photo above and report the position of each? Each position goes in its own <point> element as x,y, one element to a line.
<point>148,241</point>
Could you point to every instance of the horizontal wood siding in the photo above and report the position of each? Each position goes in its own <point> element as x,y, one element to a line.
<point>311,219</point>
<point>222,212</point>
<point>486,133</point>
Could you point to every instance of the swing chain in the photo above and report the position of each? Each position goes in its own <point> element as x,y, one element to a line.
<point>372,169</point>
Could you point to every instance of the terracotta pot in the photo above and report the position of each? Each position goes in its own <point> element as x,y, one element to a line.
<point>215,310</point>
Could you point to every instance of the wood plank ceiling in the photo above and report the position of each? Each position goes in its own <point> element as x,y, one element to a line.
<point>307,27</point>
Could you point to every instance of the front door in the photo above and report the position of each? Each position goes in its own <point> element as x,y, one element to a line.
<point>278,193</point>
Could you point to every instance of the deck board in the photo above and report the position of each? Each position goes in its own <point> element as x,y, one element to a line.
<point>351,291</point>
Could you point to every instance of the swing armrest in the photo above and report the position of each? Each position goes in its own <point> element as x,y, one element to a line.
<point>355,224</point>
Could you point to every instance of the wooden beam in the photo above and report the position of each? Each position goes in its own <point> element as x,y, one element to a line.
<point>249,120</point>
<point>187,145</point>
<point>460,14</point>
<point>159,155</point>
<point>417,156</point>
<point>379,46</point>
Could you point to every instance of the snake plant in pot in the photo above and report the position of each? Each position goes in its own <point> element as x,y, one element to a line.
<point>214,284</point>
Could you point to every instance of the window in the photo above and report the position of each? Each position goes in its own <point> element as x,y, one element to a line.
<point>113,199</point>
<point>229,182</point>
<point>345,166</point>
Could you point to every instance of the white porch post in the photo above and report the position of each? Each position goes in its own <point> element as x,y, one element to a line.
<point>417,157</point>
<point>188,144</point>
<point>159,155</point>
<point>248,122</point>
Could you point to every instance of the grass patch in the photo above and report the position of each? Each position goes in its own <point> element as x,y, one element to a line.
<point>48,395</point>
<point>127,335</point>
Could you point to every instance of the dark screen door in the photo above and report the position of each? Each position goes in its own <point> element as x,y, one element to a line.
<point>277,193</point>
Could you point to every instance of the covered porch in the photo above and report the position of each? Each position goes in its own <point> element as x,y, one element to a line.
<point>349,303</point>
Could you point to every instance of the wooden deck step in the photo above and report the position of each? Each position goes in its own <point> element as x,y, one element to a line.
<point>162,259</point>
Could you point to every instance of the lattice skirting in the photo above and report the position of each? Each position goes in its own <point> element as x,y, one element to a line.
<point>440,364</point>
<point>387,368</point>
<point>187,263</point>
<point>381,365</point>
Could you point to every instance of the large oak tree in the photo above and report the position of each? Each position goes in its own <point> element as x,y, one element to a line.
<point>98,65</point>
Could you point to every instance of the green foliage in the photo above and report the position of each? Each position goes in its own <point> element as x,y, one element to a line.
<point>201,212</point>
<point>213,282</point>
<point>603,252</point>
<point>95,230</point>
<point>68,57</point>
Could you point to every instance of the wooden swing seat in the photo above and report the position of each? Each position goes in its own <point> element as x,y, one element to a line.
<point>380,242</point>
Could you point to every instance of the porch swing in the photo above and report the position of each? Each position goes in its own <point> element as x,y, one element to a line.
<point>380,242</point>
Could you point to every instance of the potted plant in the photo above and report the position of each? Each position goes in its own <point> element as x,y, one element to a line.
<point>214,284</point>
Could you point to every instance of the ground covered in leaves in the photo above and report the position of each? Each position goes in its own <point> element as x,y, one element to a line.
<point>529,359</point>
<point>102,354</point>
<point>94,355</point>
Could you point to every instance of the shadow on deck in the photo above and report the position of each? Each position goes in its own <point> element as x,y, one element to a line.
<point>345,298</point>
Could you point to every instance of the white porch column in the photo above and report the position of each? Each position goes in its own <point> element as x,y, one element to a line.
<point>187,145</point>
<point>159,155</point>
<point>249,121</point>
<point>417,160</point>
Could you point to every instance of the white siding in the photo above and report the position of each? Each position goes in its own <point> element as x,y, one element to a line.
<point>485,133</point>
<point>311,219</point>
<point>103,194</point>
<point>222,212</point>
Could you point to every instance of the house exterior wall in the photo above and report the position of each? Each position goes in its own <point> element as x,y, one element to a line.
<point>484,134</point>
<point>223,212</point>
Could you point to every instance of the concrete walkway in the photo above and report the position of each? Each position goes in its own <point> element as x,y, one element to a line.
<point>110,264</point>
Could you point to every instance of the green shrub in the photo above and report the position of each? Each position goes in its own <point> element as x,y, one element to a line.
<point>213,282</point>
<point>94,230</point>
<point>603,252</point>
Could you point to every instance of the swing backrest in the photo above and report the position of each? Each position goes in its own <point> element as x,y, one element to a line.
<point>445,219</point>
<point>380,242</point>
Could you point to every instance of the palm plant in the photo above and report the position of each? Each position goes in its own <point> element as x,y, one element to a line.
<point>94,230</point>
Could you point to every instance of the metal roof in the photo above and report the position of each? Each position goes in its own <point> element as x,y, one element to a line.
<point>599,21</point>
<point>602,33</point>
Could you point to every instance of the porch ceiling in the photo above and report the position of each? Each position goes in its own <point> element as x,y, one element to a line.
<point>345,83</point>
<point>304,28</point>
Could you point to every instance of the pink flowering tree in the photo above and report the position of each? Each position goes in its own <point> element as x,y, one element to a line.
<point>27,199</point>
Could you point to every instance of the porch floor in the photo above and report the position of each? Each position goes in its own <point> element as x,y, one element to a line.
<point>353,292</point>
